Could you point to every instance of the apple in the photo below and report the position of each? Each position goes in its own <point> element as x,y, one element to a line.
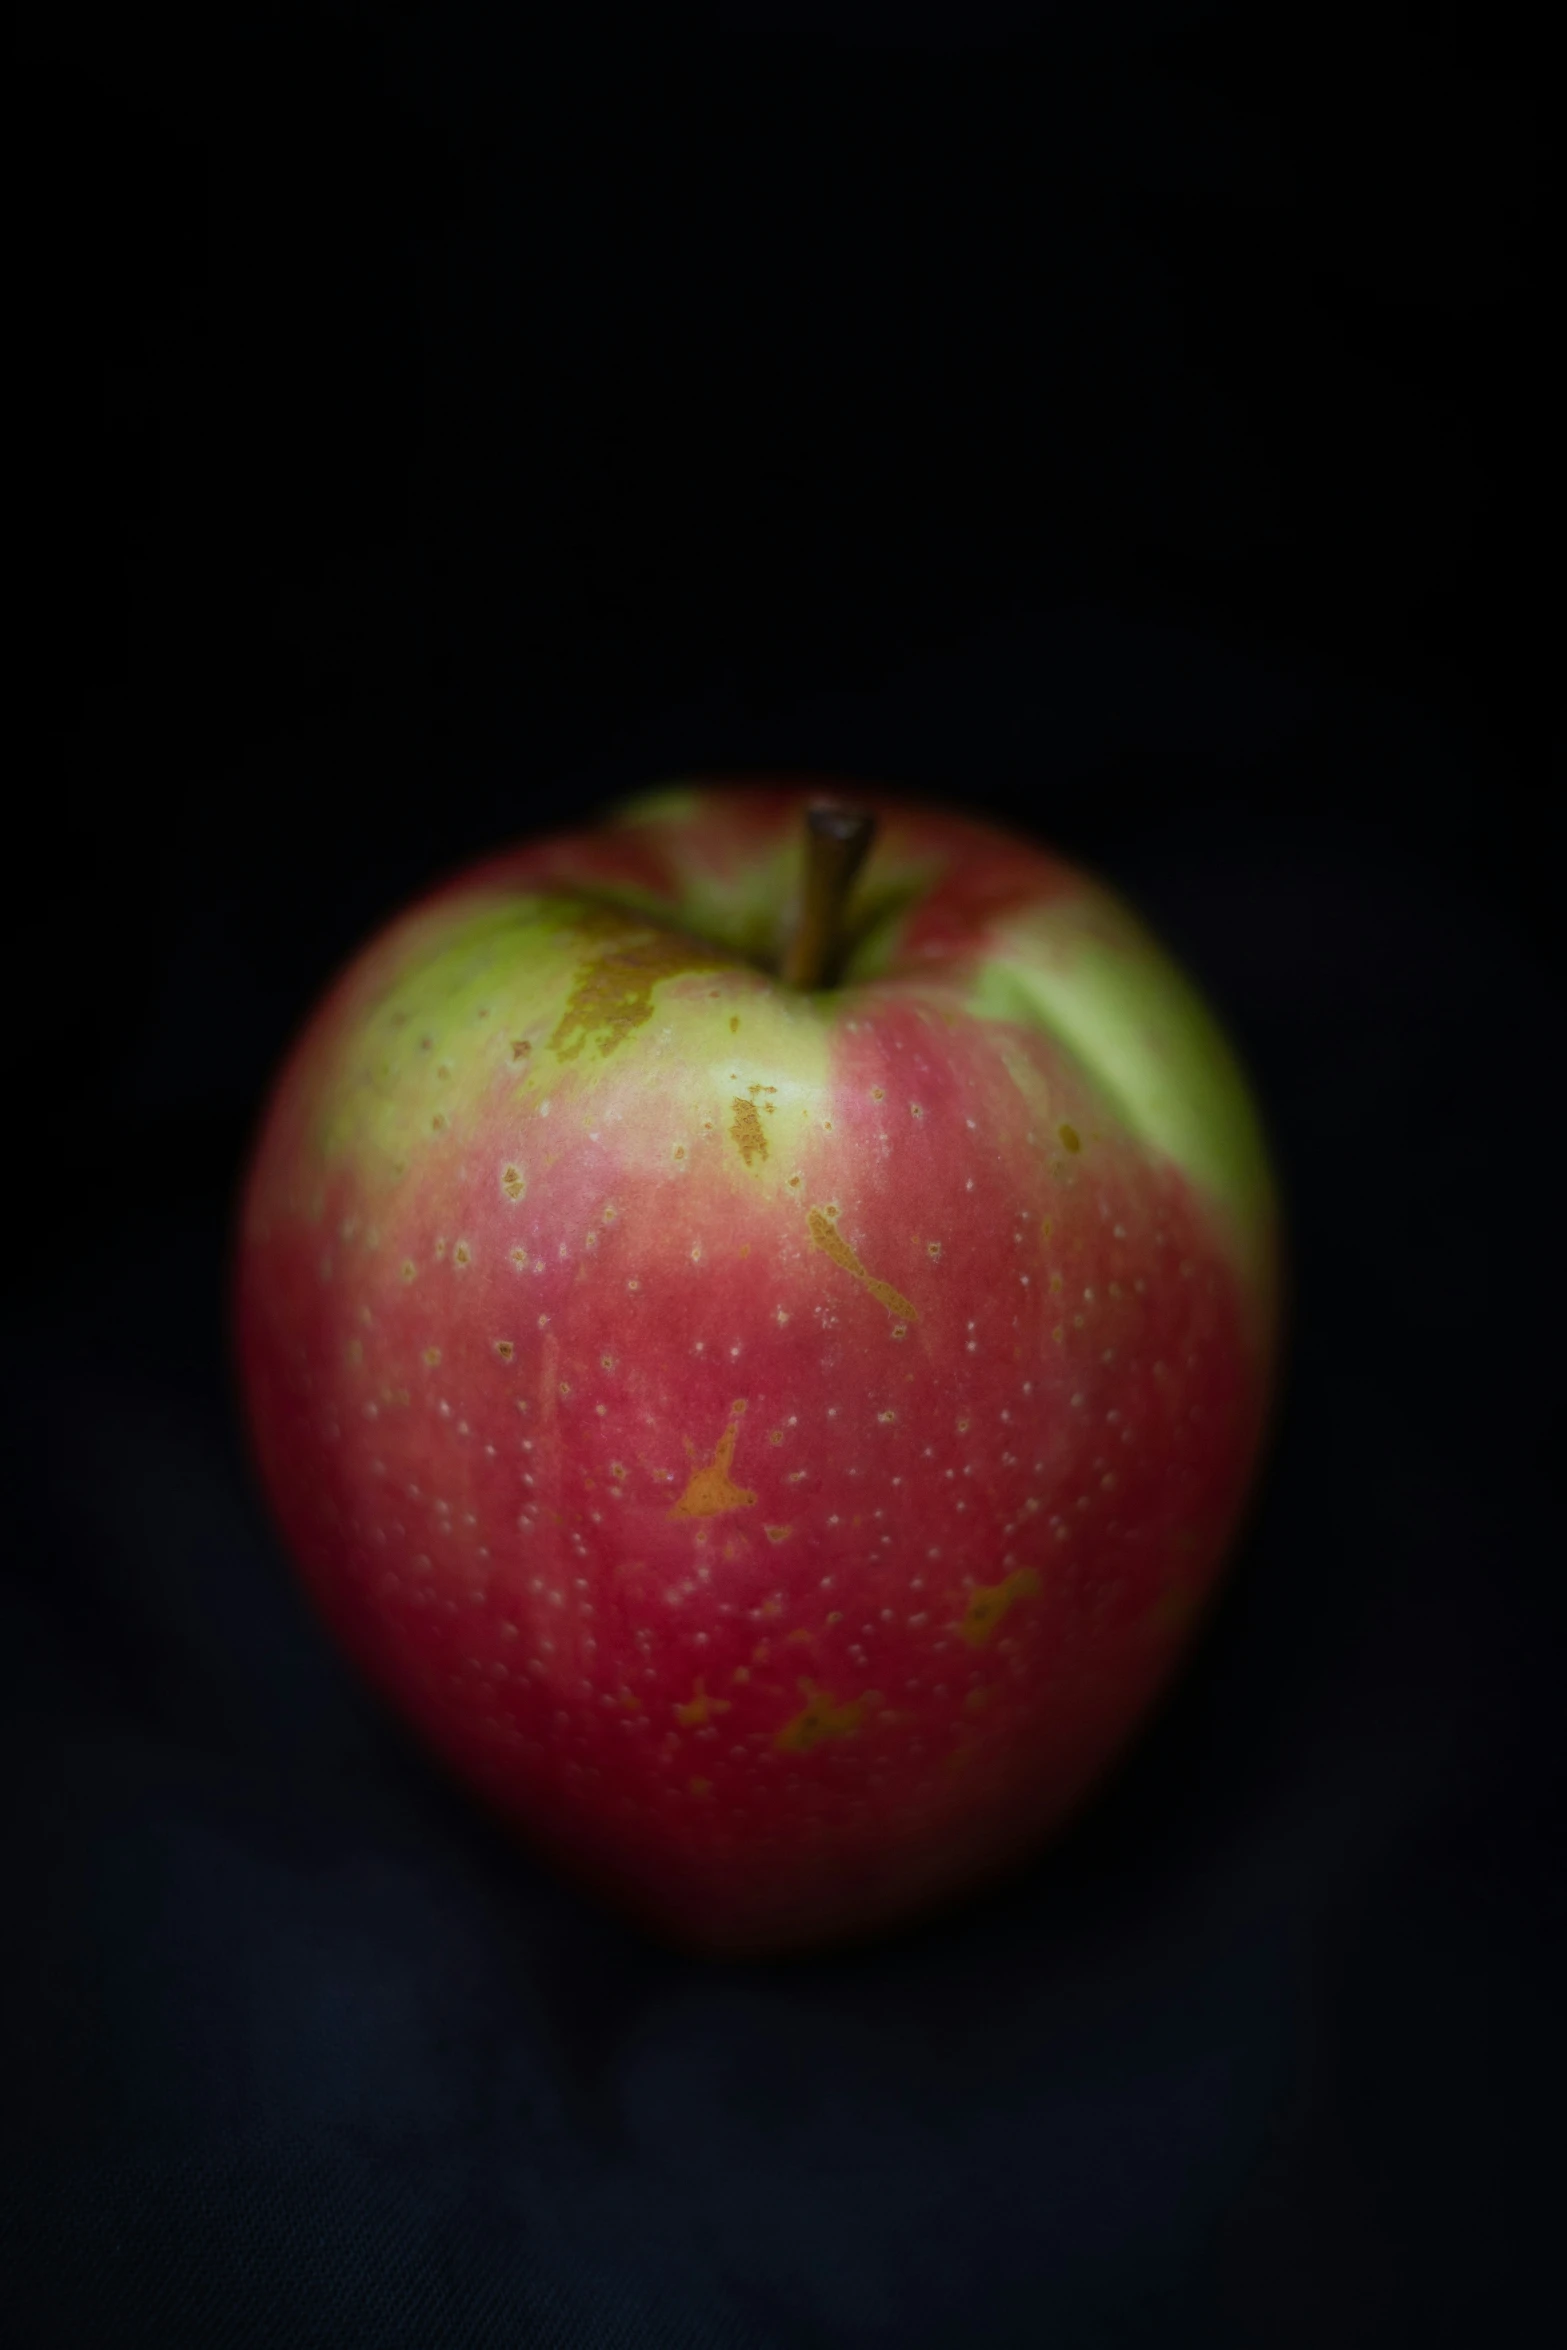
<point>772,1439</point>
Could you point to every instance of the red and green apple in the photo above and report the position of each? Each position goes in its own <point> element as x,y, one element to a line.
<point>772,1438</point>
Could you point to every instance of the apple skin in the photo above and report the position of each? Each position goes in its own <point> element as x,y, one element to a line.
<point>773,1445</point>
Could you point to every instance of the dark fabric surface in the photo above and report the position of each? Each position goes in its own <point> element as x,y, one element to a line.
<point>381,532</point>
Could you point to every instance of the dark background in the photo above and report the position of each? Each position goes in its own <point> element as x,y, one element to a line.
<point>1135,421</point>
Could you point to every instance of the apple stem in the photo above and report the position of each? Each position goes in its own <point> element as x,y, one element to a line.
<point>836,843</point>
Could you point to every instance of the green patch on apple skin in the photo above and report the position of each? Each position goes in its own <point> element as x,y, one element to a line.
<point>491,992</point>
<point>428,1021</point>
<point>674,804</point>
<point>731,901</point>
<point>1085,970</point>
<point>525,1007</point>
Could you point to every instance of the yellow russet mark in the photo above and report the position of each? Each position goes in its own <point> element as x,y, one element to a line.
<point>699,1708</point>
<point>821,1717</point>
<point>832,1244</point>
<point>513,1182</point>
<point>1070,1138</point>
<point>745,1128</point>
<point>710,1489</point>
<point>989,1602</point>
<point>778,1533</point>
<point>613,991</point>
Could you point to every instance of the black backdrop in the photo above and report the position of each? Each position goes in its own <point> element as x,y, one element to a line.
<point>1137,426</point>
